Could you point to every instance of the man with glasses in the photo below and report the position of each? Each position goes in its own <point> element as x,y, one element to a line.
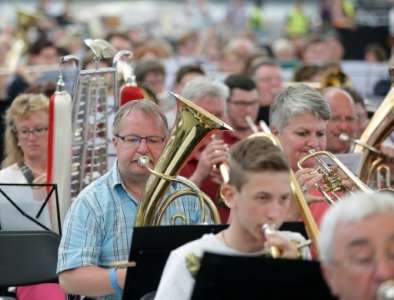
<point>242,103</point>
<point>267,75</point>
<point>357,245</point>
<point>98,227</point>
<point>342,122</point>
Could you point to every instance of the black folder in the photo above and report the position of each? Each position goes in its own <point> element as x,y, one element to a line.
<point>151,246</point>
<point>240,277</point>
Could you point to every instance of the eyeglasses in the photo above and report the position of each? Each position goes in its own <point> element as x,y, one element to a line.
<point>135,140</point>
<point>339,119</point>
<point>244,104</point>
<point>38,132</point>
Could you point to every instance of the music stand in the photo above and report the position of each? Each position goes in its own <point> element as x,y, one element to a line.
<point>27,207</point>
<point>240,277</point>
<point>150,248</point>
<point>152,245</point>
<point>28,257</point>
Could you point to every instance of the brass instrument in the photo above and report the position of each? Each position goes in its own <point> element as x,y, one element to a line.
<point>191,126</point>
<point>379,128</point>
<point>270,229</point>
<point>310,224</point>
<point>385,290</point>
<point>91,109</point>
<point>333,186</point>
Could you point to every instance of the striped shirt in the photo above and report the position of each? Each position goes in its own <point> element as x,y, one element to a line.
<point>98,227</point>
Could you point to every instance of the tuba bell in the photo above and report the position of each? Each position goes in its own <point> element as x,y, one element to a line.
<point>191,126</point>
<point>379,128</point>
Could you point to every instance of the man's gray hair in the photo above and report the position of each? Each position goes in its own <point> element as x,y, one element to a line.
<point>148,107</point>
<point>350,209</point>
<point>203,86</point>
<point>295,100</point>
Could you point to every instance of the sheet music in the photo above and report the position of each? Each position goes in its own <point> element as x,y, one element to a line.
<point>30,200</point>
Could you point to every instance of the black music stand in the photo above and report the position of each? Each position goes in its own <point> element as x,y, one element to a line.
<point>28,257</point>
<point>151,247</point>
<point>240,277</point>
<point>25,206</point>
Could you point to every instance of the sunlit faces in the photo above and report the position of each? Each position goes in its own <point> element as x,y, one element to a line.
<point>242,103</point>
<point>264,198</point>
<point>343,120</point>
<point>302,133</point>
<point>363,257</point>
<point>32,134</point>
<point>138,123</point>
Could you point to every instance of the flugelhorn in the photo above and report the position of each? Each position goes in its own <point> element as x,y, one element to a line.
<point>191,126</point>
<point>333,186</point>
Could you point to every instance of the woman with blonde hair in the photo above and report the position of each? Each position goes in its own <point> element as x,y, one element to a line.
<point>26,139</point>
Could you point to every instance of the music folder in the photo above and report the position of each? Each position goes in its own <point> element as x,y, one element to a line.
<point>29,207</point>
<point>151,246</point>
<point>241,277</point>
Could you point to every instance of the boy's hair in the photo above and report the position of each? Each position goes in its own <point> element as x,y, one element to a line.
<point>254,155</point>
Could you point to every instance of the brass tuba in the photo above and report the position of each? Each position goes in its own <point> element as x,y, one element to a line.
<point>191,126</point>
<point>378,129</point>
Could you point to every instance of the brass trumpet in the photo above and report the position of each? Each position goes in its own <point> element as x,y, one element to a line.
<point>333,186</point>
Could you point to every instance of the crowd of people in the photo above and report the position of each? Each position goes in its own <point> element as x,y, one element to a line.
<point>228,72</point>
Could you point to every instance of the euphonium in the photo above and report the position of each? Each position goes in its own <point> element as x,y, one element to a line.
<point>191,126</point>
<point>378,129</point>
<point>333,186</point>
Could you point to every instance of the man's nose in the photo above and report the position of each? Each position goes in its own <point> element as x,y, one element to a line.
<point>142,146</point>
<point>384,269</point>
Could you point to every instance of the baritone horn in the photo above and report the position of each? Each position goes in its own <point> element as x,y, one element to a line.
<point>333,185</point>
<point>379,128</point>
<point>191,126</point>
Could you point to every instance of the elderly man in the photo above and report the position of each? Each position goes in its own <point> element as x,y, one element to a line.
<point>357,245</point>
<point>201,168</point>
<point>99,226</point>
<point>342,121</point>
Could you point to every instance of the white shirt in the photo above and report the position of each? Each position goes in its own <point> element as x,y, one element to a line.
<point>176,281</point>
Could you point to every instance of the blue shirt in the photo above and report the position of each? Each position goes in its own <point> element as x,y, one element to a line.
<point>98,227</point>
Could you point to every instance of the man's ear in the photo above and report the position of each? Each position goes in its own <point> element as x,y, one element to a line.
<point>329,275</point>
<point>228,193</point>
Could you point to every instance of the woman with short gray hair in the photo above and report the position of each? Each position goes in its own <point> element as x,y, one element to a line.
<point>298,117</point>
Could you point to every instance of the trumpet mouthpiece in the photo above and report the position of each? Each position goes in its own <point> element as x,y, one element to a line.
<point>143,160</point>
<point>344,137</point>
<point>268,228</point>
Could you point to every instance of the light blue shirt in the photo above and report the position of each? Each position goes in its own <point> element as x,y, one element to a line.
<point>98,227</point>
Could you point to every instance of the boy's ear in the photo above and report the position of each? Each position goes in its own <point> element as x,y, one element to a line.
<point>228,192</point>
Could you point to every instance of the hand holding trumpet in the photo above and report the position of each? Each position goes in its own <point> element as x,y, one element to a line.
<point>214,154</point>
